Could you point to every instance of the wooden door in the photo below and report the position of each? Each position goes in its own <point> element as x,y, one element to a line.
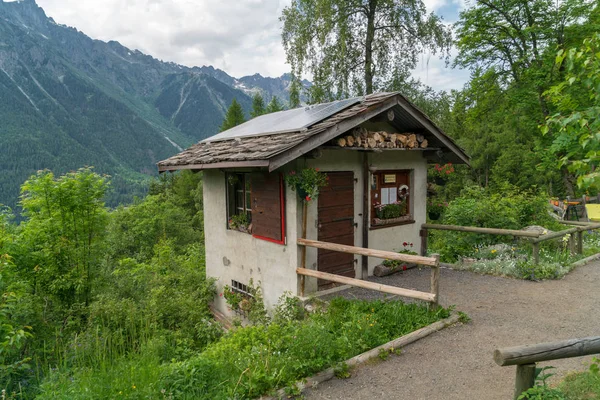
<point>336,224</point>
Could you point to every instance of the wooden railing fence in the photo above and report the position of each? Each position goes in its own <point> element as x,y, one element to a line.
<point>433,262</point>
<point>575,246</point>
<point>526,357</point>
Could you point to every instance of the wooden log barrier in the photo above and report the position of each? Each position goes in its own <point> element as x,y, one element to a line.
<point>385,255</point>
<point>430,297</point>
<point>547,351</point>
<point>489,231</point>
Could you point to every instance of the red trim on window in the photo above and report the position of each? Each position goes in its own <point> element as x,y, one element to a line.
<point>282,215</point>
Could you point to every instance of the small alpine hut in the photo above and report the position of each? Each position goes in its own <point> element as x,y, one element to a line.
<point>374,151</point>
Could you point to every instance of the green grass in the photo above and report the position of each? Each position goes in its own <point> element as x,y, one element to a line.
<point>576,386</point>
<point>583,385</point>
<point>249,361</point>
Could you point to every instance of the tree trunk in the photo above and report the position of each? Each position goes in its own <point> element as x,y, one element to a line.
<point>369,47</point>
<point>569,182</point>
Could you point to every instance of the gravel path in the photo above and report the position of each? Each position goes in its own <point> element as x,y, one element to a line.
<point>456,363</point>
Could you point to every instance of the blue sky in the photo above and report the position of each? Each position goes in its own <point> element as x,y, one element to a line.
<point>242,37</point>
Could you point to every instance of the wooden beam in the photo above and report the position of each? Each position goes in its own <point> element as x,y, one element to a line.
<point>414,294</point>
<point>547,351</point>
<point>379,149</point>
<point>576,223</point>
<point>385,255</point>
<point>330,133</point>
<point>473,229</point>
<point>435,280</point>
<point>364,270</point>
<point>227,164</point>
<point>555,235</point>
<point>303,254</point>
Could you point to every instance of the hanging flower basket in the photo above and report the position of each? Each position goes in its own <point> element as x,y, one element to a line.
<point>307,182</point>
<point>434,216</point>
<point>438,180</point>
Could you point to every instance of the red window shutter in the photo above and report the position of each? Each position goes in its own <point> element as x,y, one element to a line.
<point>268,218</point>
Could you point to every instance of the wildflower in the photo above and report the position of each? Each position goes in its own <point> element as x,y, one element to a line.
<point>493,251</point>
<point>133,387</point>
<point>404,244</point>
<point>404,267</point>
<point>307,198</point>
<point>370,324</point>
<point>220,294</point>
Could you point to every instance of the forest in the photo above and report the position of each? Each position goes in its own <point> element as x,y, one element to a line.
<point>109,303</point>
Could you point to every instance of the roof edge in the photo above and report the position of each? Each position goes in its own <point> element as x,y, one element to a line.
<point>224,165</point>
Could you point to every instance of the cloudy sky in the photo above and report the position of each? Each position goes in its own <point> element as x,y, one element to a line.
<point>242,37</point>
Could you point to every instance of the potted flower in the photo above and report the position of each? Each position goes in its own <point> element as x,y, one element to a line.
<point>440,173</point>
<point>391,213</point>
<point>240,222</point>
<point>389,267</point>
<point>435,208</point>
<point>307,183</point>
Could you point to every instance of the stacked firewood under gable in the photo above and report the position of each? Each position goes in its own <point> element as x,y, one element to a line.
<point>362,138</point>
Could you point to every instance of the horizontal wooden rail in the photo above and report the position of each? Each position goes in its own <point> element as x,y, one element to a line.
<point>577,223</point>
<point>555,235</point>
<point>547,351</point>
<point>385,255</point>
<point>474,229</point>
<point>430,297</point>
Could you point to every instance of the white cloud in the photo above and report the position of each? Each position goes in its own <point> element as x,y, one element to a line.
<point>242,37</point>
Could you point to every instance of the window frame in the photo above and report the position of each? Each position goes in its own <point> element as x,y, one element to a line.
<point>246,191</point>
<point>247,196</point>
<point>376,184</point>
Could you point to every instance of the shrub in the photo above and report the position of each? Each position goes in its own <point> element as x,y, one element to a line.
<point>504,207</point>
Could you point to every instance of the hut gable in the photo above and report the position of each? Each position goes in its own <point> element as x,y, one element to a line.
<point>253,144</point>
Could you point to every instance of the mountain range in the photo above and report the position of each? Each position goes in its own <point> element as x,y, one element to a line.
<point>67,101</point>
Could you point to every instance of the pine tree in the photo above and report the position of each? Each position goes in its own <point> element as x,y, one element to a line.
<point>258,106</point>
<point>274,105</point>
<point>235,116</point>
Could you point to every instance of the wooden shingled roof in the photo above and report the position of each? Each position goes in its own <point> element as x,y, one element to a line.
<point>276,149</point>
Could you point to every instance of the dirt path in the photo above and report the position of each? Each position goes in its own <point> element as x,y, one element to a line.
<point>456,363</point>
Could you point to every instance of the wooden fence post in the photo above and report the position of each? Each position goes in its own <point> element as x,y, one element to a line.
<point>536,253</point>
<point>572,243</point>
<point>423,233</point>
<point>525,378</point>
<point>580,242</point>
<point>303,261</point>
<point>435,280</point>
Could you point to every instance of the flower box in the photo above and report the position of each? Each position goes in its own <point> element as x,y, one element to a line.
<point>391,221</point>
<point>382,270</point>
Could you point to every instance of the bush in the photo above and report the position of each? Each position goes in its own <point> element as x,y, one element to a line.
<point>505,208</point>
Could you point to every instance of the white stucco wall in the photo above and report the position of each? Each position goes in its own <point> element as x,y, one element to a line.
<point>236,255</point>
